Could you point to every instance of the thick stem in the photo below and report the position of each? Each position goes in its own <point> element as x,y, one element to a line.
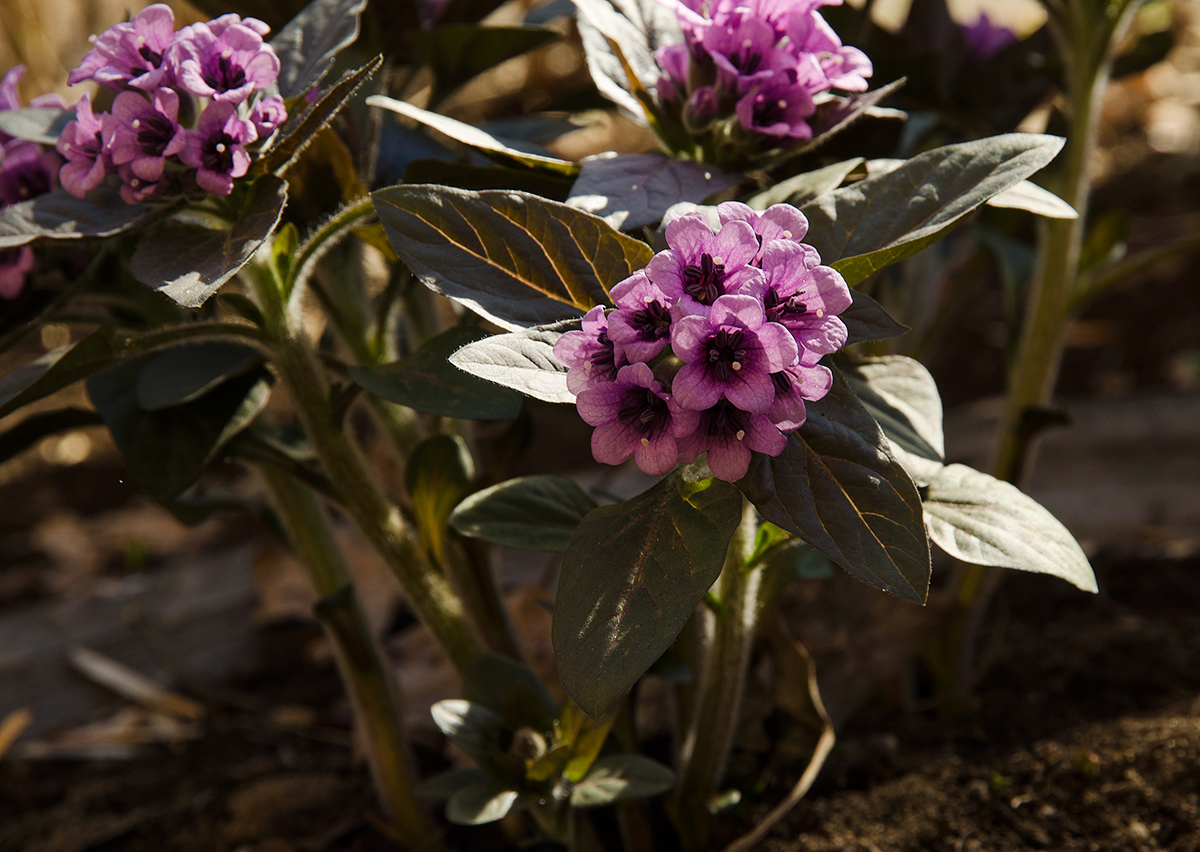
<point>727,634</point>
<point>362,494</point>
<point>373,690</point>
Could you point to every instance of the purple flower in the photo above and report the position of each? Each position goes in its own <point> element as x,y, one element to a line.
<point>15,263</point>
<point>744,54</point>
<point>144,133</point>
<point>131,54</point>
<point>778,107</point>
<point>82,145</point>
<point>10,96</point>
<point>777,222</point>
<point>730,354</point>
<point>792,387</point>
<point>642,324</point>
<point>728,434</point>
<point>985,39</point>
<point>267,114</point>
<point>840,67</point>
<point>216,147</point>
<point>589,355</point>
<point>700,267</point>
<point>804,297</point>
<point>225,60</point>
<point>673,61</point>
<point>26,171</point>
<point>633,417</point>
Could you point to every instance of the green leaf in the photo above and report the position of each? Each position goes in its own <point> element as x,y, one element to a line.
<point>521,360</point>
<point>168,450</point>
<point>979,519</point>
<point>632,190</point>
<point>458,52</point>
<point>307,46</point>
<point>630,580</point>
<point>473,728</point>
<point>903,398</point>
<point>509,689</point>
<point>587,738</point>
<point>481,802</point>
<point>298,132</point>
<point>190,263</point>
<point>439,473</point>
<point>426,381</point>
<point>619,777</point>
<point>184,373</point>
<point>35,427</point>
<point>470,135</point>
<point>59,215</point>
<point>838,487</point>
<point>444,785</point>
<point>36,124</point>
<point>59,368</point>
<point>805,187</point>
<point>514,258</point>
<point>876,222</point>
<point>528,513</point>
<point>640,27</point>
<point>866,319</point>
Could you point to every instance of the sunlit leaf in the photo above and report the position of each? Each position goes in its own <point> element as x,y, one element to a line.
<point>1030,197</point>
<point>481,802</point>
<point>522,360</point>
<point>439,472</point>
<point>807,186</point>
<point>632,190</point>
<point>621,776</point>
<point>514,258</point>
<point>59,215</point>
<point>528,513</point>
<point>980,519</point>
<point>36,124</point>
<point>640,27</point>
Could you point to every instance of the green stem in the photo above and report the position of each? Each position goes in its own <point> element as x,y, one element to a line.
<point>363,497</point>
<point>373,690</point>
<point>727,633</point>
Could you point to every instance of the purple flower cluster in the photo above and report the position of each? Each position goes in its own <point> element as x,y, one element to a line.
<point>27,169</point>
<point>734,323</point>
<point>189,108</point>
<point>755,68</point>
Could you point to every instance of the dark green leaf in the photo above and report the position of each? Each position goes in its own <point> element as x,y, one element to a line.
<point>479,803</point>
<point>190,263</point>
<point>458,52</point>
<point>55,370</point>
<point>298,132</point>
<point>468,176</point>
<point>307,46</point>
<point>439,472</point>
<point>979,519</point>
<point>473,728</point>
<point>168,450</point>
<point>632,190</point>
<point>509,689</point>
<point>866,319</point>
<point>427,381</point>
<point>528,513</point>
<point>903,398</point>
<point>36,124</point>
<point>184,373</point>
<point>631,578</point>
<point>1105,240</point>
<point>621,776</point>
<point>33,428</point>
<point>871,224</point>
<point>522,360</point>
<point>243,306</point>
<point>514,258</point>
<point>841,113</point>
<point>468,134</point>
<point>837,487</point>
<point>805,187</point>
<point>800,561</point>
<point>59,215</point>
<point>441,787</point>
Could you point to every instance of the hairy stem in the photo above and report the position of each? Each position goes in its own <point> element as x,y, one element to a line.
<point>726,636</point>
<point>373,690</point>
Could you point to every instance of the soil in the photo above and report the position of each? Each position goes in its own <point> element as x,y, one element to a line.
<point>1084,735</point>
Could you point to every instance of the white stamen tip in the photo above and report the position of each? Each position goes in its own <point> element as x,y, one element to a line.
<point>737,365</point>
<point>136,123</point>
<point>820,313</point>
<point>718,260</point>
<point>781,103</point>
<point>748,43</point>
<point>220,147</point>
<point>741,433</point>
<point>645,442</point>
<point>787,235</point>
